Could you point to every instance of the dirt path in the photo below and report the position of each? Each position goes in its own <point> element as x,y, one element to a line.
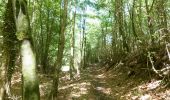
<point>97,84</point>
<point>92,85</point>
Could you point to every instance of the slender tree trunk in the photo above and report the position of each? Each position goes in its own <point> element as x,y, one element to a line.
<point>140,21</point>
<point>41,44</point>
<point>150,19</point>
<point>133,17</point>
<point>47,42</point>
<point>162,17</point>
<point>120,22</point>
<point>83,44</point>
<point>72,44</point>
<point>58,63</point>
<point>85,52</point>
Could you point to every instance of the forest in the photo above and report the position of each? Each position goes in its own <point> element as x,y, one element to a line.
<point>84,49</point>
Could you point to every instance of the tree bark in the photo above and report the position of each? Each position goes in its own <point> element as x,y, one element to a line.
<point>30,79</point>
<point>9,54</point>
<point>58,63</point>
<point>47,42</point>
<point>150,19</point>
<point>120,22</point>
<point>29,75</point>
<point>72,44</point>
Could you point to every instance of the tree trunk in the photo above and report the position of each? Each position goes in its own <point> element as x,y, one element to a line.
<point>120,22</point>
<point>83,44</point>
<point>30,80</point>
<point>9,54</point>
<point>58,63</point>
<point>29,76</point>
<point>150,19</point>
<point>72,44</point>
<point>47,42</point>
<point>133,18</point>
<point>162,18</point>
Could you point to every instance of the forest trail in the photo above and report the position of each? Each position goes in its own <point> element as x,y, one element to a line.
<point>96,83</point>
<point>92,85</point>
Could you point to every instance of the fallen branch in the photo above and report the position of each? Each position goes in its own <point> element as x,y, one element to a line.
<point>165,69</point>
<point>153,67</point>
<point>162,72</point>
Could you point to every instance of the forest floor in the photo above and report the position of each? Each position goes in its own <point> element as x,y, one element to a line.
<point>96,83</point>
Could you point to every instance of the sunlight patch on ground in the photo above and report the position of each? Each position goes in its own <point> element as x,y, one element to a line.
<point>154,85</point>
<point>80,89</point>
<point>149,91</point>
<point>145,97</point>
<point>44,87</point>
<point>100,76</point>
<point>65,78</point>
<point>45,84</point>
<point>67,86</point>
<point>104,90</point>
<point>150,86</point>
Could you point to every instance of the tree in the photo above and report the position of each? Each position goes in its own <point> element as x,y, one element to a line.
<point>61,44</point>
<point>120,22</point>
<point>48,40</point>
<point>161,12</point>
<point>72,42</point>
<point>9,48</point>
<point>29,75</point>
<point>150,18</point>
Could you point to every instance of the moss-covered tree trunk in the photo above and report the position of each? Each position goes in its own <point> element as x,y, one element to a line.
<point>9,51</point>
<point>29,75</point>
<point>30,82</point>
